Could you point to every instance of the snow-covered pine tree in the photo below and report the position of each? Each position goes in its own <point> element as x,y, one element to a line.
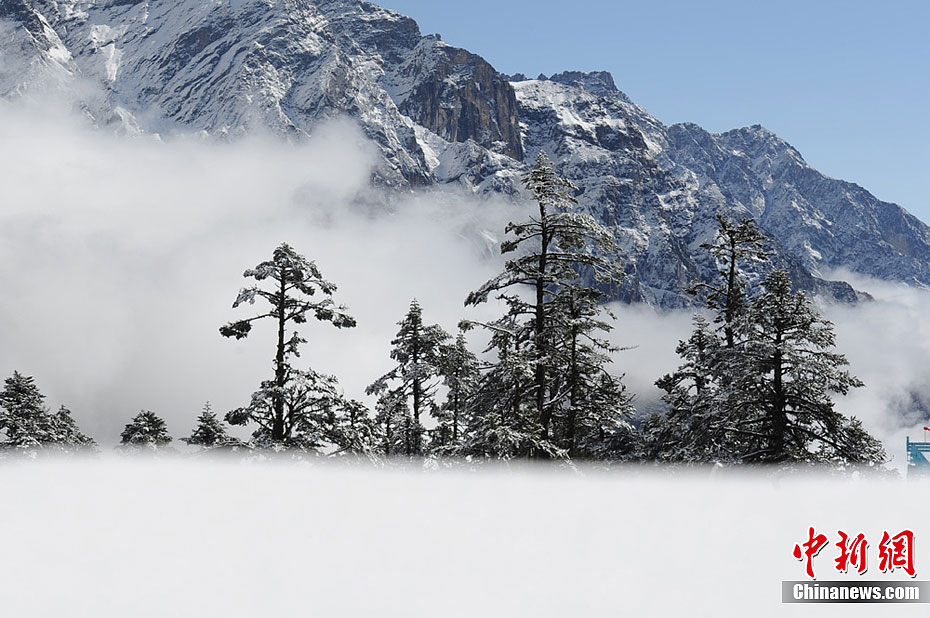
<point>210,432</point>
<point>145,432</point>
<point>71,438</point>
<point>292,283</point>
<point>353,430</point>
<point>459,370</point>
<point>392,424</point>
<point>689,431</point>
<point>29,428</point>
<point>593,411</point>
<point>309,401</point>
<point>785,412</point>
<point>417,350</point>
<point>695,427</point>
<point>557,252</point>
<point>733,246</point>
<point>504,424</point>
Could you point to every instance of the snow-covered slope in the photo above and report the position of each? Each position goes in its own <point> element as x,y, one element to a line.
<point>660,187</point>
<point>443,116</point>
<point>32,56</point>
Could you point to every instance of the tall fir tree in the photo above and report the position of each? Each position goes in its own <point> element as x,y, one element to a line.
<point>734,245</point>
<point>504,424</point>
<point>560,256</point>
<point>785,411</point>
<point>392,425</point>
<point>768,399</point>
<point>594,413</point>
<point>459,370</point>
<point>293,283</point>
<point>417,350</point>
<point>695,428</point>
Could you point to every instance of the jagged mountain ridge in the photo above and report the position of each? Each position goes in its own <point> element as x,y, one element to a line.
<point>441,115</point>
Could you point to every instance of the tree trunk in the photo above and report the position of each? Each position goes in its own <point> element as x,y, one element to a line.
<point>540,326</point>
<point>573,377</point>
<point>407,431</point>
<point>779,416</point>
<point>455,418</point>
<point>277,433</point>
<point>388,437</point>
<point>417,387</point>
<point>730,310</point>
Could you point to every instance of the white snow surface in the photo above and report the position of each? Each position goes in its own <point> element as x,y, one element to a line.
<point>198,538</point>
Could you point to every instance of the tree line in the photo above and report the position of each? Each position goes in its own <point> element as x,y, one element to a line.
<point>754,384</point>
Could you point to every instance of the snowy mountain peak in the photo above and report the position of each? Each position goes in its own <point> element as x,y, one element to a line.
<point>441,115</point>
<point>597,82</point>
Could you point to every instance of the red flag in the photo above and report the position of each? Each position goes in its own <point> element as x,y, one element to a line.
<point>926,428</point>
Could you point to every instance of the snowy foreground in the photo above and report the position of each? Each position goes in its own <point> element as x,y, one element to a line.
<point>194,538</point>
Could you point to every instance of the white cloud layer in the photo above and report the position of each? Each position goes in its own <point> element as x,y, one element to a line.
<point>120,259</point>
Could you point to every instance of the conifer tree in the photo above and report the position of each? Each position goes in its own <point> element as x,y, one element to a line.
<point>695,427</point>
<point>768,399</point>
<point>353,430</point>
<point>504,424</point>
<point>459,370</point>
<point>29,427</point>
<point>392,423</point>
<point>308,399</point>
<point>146,431</point>
<point>594,412</point>
<point>690,432</point>
<point>559,256</point>
<point>291,285</point>
<point>734,245</point>
<point>70,436</point>
<point>210,432</point>
<point>417,349</point>
<point>789,369</point>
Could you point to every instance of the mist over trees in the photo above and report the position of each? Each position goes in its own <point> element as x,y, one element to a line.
<point>755,383</point>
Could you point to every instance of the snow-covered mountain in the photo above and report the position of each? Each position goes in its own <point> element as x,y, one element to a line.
<point>442,116</point>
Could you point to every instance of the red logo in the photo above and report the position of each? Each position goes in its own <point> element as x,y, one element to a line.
<point>894,552</point>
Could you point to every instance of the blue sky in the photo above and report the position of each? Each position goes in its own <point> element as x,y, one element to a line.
<point>846,83</point>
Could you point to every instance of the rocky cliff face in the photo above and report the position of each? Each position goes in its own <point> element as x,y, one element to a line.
<point>459,97</point>
<point>441,115</point>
